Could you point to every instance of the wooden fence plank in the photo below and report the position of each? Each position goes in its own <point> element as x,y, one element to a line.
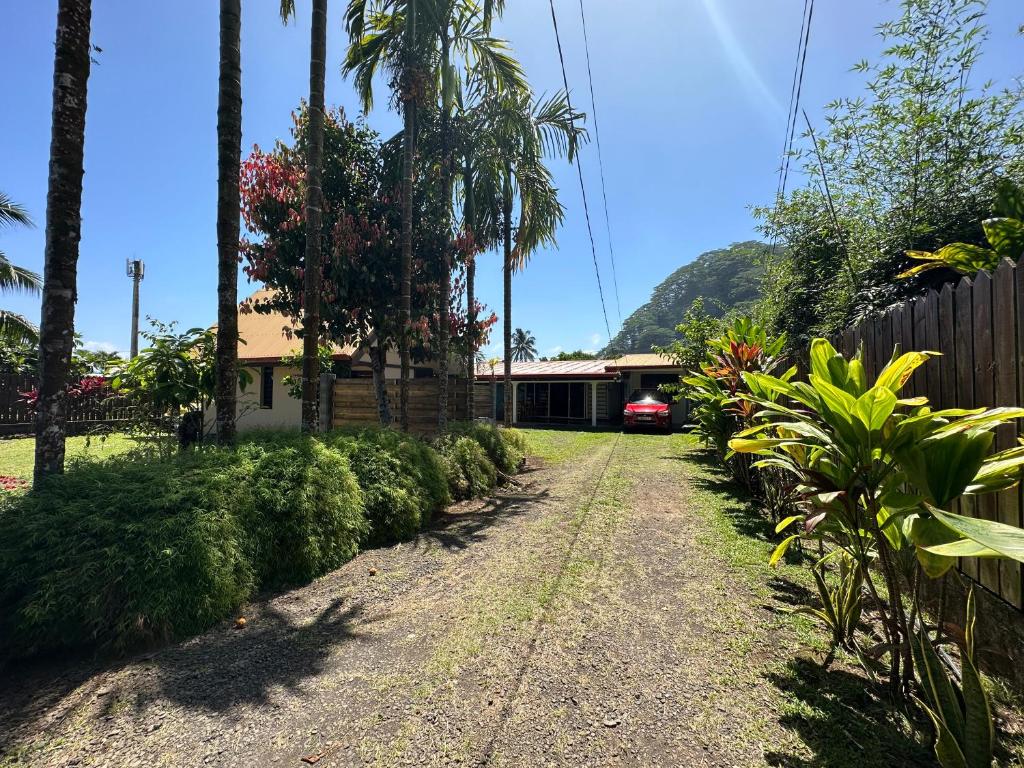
<point>1004,345</point>
<point>984,393</point>
<point>964,341</point>
<point>908,339</point>
<point>932,371</point>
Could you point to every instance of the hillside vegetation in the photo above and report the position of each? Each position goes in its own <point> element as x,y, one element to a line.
<point>726,278</point>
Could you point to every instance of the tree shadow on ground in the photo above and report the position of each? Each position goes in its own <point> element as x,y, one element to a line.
<point>222,669</point>
<point>841,717</point>
<point>215,671</point>
<point>457,530</point>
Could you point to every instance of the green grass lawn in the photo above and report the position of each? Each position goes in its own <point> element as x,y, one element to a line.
<point>16,454</point>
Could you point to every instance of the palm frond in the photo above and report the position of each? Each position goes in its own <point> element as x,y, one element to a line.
<point>13,277</point>
<point>16,329</point>
<point>11,213</point>
<point>287,10</point>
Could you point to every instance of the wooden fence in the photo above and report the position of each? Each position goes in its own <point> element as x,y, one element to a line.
<point>98,409</point>
<point>355,403</point>
<point>978,326</point>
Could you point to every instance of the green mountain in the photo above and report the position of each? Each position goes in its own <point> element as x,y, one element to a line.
<point>727,278</point>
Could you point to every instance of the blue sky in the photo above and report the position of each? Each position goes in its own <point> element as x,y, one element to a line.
<point>691,97</point>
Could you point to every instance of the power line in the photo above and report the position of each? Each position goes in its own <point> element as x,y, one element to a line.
<point>579,170</point>
<point>600,163</point>
<point>794,95</point>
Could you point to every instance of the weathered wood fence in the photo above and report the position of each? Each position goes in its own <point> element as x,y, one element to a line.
<point>978,326</point>
<point>98,409</point>
<point>355,403</point>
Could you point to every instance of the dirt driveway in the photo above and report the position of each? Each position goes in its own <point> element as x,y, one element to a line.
<point>613,610</point>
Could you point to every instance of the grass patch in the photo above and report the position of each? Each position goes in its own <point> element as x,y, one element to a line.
<point>18,453</point>
<point>832,716</point>
<point>558,445</point>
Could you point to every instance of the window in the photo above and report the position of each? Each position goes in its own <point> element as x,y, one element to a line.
<point>267,387</point>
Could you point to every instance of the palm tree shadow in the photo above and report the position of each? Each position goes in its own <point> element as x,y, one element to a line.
<point>220,670</point>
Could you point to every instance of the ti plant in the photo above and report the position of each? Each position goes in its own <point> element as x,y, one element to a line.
<point>961,714</point>
<point>877,473</point>
<point>1004,232</point>
<point>718,388</point>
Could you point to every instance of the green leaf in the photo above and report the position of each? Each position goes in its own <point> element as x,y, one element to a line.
<point>1006,236</point>
<point>979,734</point>
<point>1010,199</point>
<point>822,352</point>
<point>780,550</point>
<point>741,445</point>
<point>896,373</point>
<point>1007,540</point>
<point>784,524</point>
<point>874,407</point>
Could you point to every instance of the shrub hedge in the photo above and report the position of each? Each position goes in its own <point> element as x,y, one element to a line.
<point>135,550</point>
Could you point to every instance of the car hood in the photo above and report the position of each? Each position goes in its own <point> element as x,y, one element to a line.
<point>645,408</point>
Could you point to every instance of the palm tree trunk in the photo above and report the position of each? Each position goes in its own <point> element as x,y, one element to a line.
<point>469,213</point>
<point>314,195</point>
<point>409,153</point>
<point>229,150</point>
<point>507,245</point>
<point>63,231</point>
<point>378,363</point>
<point>444,335</point>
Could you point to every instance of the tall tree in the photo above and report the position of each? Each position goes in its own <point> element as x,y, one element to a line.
<point>63,231</point>
<point>312,268</point>
<point>524,346</point>
<point>229,150</point>
<point>517,133</point>
<point>14,328</point>
<point>417,42</point>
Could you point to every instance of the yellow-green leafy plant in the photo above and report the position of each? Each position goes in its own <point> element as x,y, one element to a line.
<point>876,475</point>
<point>1004,232</point>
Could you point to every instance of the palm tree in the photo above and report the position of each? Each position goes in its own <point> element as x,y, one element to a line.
<point>524,346</point>
<point>229,149</point>
<point>516,134</point>
<point>15,328</point>
<point>493,363</point>
<point>313,213</point>
<point>414,40</point>
<point>63,231</point>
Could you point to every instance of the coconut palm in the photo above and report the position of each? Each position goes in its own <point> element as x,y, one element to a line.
<point>63,231</point>
<point>15,328</point>
<point>313,212</point>
<point>515,134</point>
<point>524,346</point>
<point>418,43</point>
<point>229,149</point>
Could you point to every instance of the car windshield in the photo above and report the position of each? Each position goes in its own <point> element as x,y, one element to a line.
<point>648,397</point>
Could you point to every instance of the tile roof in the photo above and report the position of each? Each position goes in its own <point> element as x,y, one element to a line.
<point>266,339</point>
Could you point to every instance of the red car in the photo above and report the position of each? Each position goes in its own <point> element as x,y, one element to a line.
<point>648,408</point>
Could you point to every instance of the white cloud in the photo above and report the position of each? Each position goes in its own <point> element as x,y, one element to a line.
<point>99,346</point>
<point>555,350</point>
<point>595,340</point>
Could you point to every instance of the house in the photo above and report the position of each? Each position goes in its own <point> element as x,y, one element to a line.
<point>266,341</point>
<point>578,392</point>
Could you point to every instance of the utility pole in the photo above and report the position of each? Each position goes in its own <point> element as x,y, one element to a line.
<point>136,270</point>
